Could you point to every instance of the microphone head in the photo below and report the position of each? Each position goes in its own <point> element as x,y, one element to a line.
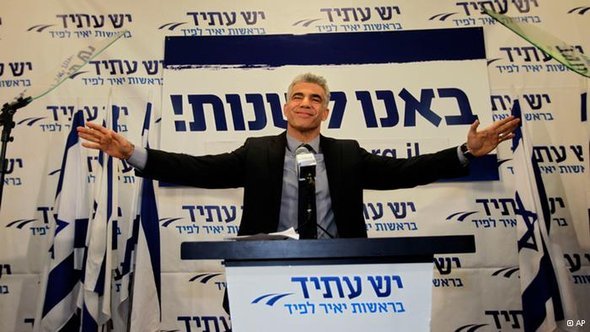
<point>305,162</point>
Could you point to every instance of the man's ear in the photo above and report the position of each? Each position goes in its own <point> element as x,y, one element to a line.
<point>325,114</point>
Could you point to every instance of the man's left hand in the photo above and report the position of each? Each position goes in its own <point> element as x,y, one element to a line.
<point>483,141</point>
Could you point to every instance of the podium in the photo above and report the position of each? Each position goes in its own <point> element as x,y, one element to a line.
<point>377,284</point>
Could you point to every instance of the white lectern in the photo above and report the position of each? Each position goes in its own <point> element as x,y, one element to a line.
<point>382,284</point>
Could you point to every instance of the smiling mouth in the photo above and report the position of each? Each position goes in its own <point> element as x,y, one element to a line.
<point>304,114</point>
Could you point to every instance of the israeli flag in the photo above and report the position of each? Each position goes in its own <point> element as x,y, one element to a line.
<point>62,279</point>
<point>146,313</point>
<point>121,292</point>
<point>96,300</point>
<point>540,287</point>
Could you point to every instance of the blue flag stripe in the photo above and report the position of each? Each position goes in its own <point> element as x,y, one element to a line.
<point>61,281</point>
<point>544,287</point>
<point>328,49</point>
<point>150,225</point>
<point>71,141</point>
<point>88,322</point>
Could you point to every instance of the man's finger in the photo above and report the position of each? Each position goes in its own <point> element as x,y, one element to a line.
<point>505,122</point>
<point>98,127</point>
<point>504,137</point>
<point>89,135</point>
<point>508,126</point>
<point>91,145</point>
<point>474,126</point>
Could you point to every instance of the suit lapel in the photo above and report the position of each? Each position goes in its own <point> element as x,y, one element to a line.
<point>333,160</point>
<point>276,161</point>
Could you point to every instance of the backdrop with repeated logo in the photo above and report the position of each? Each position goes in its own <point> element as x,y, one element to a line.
<point>392,108</point>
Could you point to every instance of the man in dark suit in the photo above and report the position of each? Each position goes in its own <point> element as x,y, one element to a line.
<point>265,166</point>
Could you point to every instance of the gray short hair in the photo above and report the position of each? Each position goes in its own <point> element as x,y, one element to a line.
<point>311,78</point>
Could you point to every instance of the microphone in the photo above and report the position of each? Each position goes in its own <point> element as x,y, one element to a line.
<point>306,164</point>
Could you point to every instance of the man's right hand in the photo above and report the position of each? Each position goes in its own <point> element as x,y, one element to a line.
<point>100,138</point>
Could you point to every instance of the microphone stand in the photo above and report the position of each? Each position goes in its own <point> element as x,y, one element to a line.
<point>309,184</point>
<point>7,123</point>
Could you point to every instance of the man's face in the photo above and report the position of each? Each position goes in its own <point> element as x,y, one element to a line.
<point>306,107</point>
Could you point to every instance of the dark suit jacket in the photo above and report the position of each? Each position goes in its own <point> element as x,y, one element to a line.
<point>257,166</point>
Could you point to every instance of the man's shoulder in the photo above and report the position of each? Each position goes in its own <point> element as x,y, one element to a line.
<point>338,141</point>
<point>268,141</point>
<point>339,146</point>
<point>265,139</point>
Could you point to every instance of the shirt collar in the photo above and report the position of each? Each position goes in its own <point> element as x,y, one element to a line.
<point>293,144</point>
